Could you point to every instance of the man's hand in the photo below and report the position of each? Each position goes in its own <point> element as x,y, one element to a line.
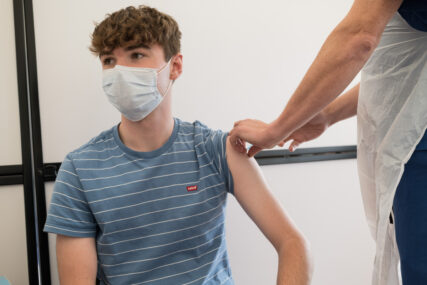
<point>310,131</point>
<point>261,135</point>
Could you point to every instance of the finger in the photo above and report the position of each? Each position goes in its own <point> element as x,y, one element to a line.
<point>233,136</point>
<point>242,145</point>
<point>237,123</point>
<point>287,139</point>
<point>254,150</point>
<point>238,146</point>
<point>294,145</point>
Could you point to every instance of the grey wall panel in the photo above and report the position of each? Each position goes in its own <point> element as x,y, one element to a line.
<point>10,144</point>
<point>13,249</point>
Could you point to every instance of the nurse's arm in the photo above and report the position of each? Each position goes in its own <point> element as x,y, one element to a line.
<point>343,107</point>
<point>77,261</point>
<point>341,57</point>
<point>252,193</point>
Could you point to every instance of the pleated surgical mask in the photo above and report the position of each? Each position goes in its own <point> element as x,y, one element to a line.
<point>133,90</point>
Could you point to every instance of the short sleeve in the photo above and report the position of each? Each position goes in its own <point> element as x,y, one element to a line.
<point>69,212</point>
<point>215,143</point>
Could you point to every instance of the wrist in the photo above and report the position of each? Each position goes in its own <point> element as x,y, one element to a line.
<point>276,131</point>
<point>328,116</point>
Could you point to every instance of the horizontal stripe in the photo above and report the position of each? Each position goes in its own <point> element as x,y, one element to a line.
<point>177,274</point>
<point>100,141</point>
<point>159,199</point>
<point>152,189</point>
<point>165,265</point>
<point>72,198</point>
<point>92,150</point>
<point>125,163</point>
<point>74,209</point>
<point>203,277</point>
<point>189,134</point>
<point>223,282</point>
<point>70,185</point>
<point>186,142</point>
<point>139,170</point>
<point>163,210</point>
<point>166,255</point>
<point>179,151</point>
<point>111,167</point>
<point>73,231</point>
<point>141,180</point>
<point>99,159</point>
<point>164,233</point>
<point>164,244</point>
<point>66,171</point>
<point>68,219</point>
<point>166,221</point>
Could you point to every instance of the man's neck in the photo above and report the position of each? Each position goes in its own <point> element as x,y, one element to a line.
<point>148,134</point>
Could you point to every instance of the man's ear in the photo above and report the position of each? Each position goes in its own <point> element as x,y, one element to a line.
<point>176,66</point>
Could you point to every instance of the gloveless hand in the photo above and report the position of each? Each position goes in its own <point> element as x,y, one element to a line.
<point>260,134</point>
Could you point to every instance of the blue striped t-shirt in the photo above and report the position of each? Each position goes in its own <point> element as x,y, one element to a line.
<point>157,217</point>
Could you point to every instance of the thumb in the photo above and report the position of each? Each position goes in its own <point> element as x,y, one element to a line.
<point>254,150</point>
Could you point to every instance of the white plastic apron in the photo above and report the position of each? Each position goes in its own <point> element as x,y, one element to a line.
<point>392,118</point>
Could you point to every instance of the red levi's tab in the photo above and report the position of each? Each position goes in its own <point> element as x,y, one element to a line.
<point>192,188</point>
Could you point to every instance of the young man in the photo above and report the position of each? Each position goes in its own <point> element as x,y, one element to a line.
<point>143,202</point>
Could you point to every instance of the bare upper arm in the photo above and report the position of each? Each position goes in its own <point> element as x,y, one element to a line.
<point>252,193</point>
<point>77,260</point>
<point>371,16</point>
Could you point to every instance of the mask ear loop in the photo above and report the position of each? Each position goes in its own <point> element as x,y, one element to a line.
<point>170,81</point>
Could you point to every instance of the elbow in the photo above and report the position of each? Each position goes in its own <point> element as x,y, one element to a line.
<point>362,45</point>
<point>299,249</point>
<point>299,244</point>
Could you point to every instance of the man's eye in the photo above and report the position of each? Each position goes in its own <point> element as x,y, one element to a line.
<point>137,55</point>
<point>107,61</point>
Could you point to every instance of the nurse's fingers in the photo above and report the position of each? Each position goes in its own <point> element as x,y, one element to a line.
<point>294,145</point>
<point>237,123</point>
<point>254,150</point>
<point>237,143</point>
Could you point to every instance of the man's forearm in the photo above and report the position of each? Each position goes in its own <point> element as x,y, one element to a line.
<point>340,59</point>
<point>295,264</point>
<point>343,107</point>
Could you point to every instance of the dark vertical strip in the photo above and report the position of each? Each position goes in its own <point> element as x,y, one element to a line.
<point>40,199</point>
<point>32,159</point>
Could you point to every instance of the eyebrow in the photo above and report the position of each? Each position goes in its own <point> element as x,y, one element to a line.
<point>137,46</point>
<point>126,49</point>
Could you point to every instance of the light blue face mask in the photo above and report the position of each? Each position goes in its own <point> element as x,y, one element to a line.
<point>133,90</point>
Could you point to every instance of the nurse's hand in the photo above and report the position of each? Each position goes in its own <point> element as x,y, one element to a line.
<point>310,131</point>
<point>261,135</point>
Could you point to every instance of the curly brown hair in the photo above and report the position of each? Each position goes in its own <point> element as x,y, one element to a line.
<point>133,26</point>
